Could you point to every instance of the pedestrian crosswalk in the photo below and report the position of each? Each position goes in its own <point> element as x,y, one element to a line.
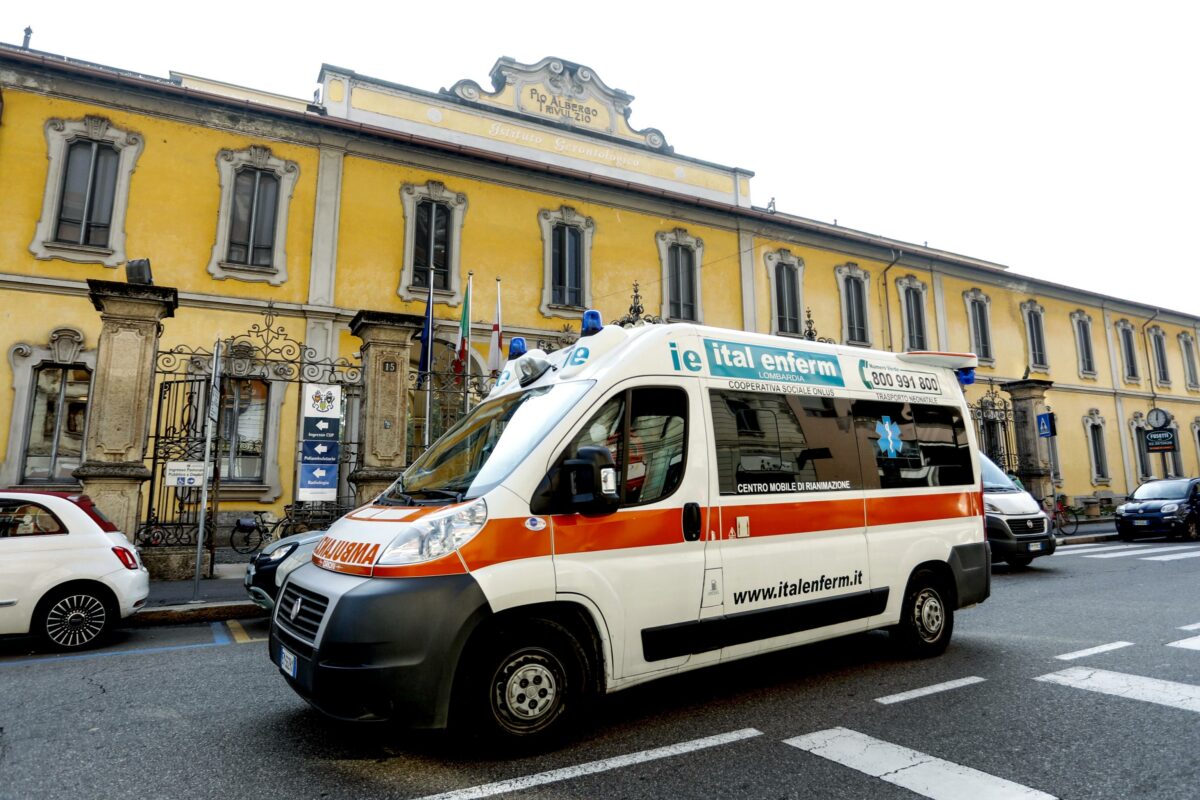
<point>1141,551</point>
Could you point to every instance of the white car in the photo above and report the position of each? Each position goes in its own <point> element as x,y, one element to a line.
<point>66,573</point>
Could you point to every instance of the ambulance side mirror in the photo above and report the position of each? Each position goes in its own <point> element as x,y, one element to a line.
<point>591,481</point>
<point>585,484</point>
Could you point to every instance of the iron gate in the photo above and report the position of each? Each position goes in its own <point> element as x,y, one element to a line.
<point>261,375</point>
<point>994,427</point>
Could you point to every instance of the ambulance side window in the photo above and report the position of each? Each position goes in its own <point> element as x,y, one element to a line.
<point>648,429</point>
<point>912,445</point>
<point>768,443</point>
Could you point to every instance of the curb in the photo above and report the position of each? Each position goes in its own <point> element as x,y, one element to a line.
<point>196,612</point>
<point>1088,538</point>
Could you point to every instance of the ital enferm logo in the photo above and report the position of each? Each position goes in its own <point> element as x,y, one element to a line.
<point>322,400</point>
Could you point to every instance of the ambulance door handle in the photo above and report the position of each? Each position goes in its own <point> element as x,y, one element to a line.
<point>691,521</point>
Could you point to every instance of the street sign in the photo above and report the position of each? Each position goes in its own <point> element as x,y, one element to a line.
<point>1161,441</point>
<point>320,429</point>
<point>319,452</point>
<point>320,448</point>
<point>184,473</point>
<point>318,482</point>
<point>1046,426</point>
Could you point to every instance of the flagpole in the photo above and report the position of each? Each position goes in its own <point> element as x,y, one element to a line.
<point>428,345</point>
<point>467,366</point>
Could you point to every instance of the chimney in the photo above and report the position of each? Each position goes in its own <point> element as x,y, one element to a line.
<point>28,34</point>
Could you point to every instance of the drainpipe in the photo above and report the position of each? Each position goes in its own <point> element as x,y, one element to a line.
<point>887,307</point>
<point>1151,367</point>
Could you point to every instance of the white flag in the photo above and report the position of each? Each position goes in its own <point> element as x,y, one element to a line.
<point>496,357</point>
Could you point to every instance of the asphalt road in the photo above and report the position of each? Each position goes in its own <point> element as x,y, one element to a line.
<point>198,711</point>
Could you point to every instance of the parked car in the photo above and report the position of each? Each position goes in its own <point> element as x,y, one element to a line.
<point>1165,506</point>
<point>267,570</point>
<point>1017,528</point>
<point>67,574</point>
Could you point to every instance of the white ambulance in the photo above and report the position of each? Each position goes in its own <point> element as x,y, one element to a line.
<point>648,501</point>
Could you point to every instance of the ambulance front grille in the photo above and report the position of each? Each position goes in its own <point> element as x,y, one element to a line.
<point>300,612</point>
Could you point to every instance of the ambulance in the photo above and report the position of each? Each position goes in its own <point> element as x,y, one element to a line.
<point>645,502</point>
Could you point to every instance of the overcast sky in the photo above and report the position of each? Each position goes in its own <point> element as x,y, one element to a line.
<point>1058,139</point>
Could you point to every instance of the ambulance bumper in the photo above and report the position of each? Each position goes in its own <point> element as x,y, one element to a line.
<point>384,649</point>
<point>971,565</point>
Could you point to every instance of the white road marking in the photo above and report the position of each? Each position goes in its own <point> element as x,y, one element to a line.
<point>592,767</point>
<point>1195,626</point>
<point>1071,551</point>
<point>917,772</point>
<point>937,687</point>
<point>1174,556</point>
<point>1132,687</point>
<point>1091,651</point>
<point>1128,553</point>
<point>1187,644</point>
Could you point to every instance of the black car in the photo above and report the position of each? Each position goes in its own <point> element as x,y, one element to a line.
<point>1161,507</point>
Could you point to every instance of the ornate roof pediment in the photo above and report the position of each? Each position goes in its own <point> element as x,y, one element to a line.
<point>562,92</point>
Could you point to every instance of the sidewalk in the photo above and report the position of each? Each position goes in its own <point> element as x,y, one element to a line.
<point>221,597</point>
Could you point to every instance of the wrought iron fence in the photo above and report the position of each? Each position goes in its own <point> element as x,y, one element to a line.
<point>994,428</point>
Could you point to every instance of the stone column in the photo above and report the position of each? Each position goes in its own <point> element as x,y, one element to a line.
<point>387,345</point>
<point>1033,455</point>
<point>118,424</point>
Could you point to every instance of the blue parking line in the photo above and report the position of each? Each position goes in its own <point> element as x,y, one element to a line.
<point>110,653</point>
<point>221,633</point>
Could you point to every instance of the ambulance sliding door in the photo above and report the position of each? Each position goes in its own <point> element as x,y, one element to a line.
<point>643,565</point>
<point>787,480</point>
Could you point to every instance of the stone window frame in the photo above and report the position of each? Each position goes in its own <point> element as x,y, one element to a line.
<point>1137,423</point>
<point>1195,426</point>
<point>1080,318</point>
<point>229,163</point>
<point>1090,421</point>
<point>1175,458</point>
<point>60,134</point>
<point>1129,360</point>
<point>547,220</point>
<point>1031,309</point>
<point>1187,352</point>
<point>680,236</point>
<point>903,285</point>
<point>970,297</point>
<point>845,273</point>
<point>1055,460</point>
<point>772,261</point>
<point>64,347</point>
<point>1158,351</point>
<point>411,195</point>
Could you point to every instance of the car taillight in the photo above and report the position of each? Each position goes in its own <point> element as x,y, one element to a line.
<point>127,557</point>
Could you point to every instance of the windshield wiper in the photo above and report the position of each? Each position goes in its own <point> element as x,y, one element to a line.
<point>449,494</point>
<point>397,499</point>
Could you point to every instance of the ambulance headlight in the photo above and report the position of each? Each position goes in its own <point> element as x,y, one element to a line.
<point>436,535</point>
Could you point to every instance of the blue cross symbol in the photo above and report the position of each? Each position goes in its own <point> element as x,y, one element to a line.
<point>889,437</point>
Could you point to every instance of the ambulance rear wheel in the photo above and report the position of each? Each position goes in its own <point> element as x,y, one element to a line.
<point>926,618</point>
<point>534,677</point>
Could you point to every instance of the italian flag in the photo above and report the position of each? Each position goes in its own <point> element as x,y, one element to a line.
<point>496,346</point>
<point>464,332</point>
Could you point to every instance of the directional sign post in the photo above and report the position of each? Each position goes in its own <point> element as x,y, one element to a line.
<point>320,448</point>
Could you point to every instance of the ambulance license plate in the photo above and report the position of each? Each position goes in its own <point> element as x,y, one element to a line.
<point>287,662</point>
<point>1035,546</point>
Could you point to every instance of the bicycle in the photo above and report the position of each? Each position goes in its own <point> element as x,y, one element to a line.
<point>249,534</point>
<point>1066,519</point>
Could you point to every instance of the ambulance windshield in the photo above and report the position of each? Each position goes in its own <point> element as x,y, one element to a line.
<point>485,446</point>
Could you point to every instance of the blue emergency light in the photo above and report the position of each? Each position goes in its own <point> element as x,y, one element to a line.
<point>966,375</point>
<point>517,348</point>
<point>592,324</point>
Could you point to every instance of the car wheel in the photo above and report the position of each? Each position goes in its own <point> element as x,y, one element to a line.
<point>529,685</point>
<point>1125,536</point>
<point>1019,561</point>
<point>1190,531</point>
<point>75,619</point>
<point>926,618</point>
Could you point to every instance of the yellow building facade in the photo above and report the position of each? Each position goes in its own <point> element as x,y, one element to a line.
<point>280,218</point>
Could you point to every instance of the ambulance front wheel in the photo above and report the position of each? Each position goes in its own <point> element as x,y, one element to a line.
<point>532,677</point>
<point>926,618</point>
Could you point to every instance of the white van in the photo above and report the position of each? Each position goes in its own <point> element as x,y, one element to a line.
<point>1018,530</point>
<point>645,502</point>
